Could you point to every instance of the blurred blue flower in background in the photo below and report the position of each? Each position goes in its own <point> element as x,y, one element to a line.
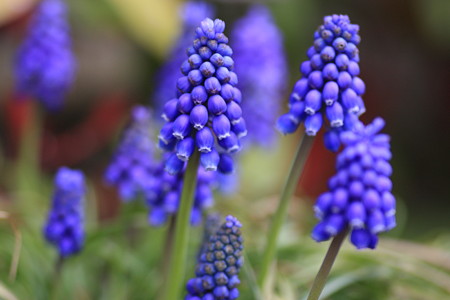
<point>164,193</point>
<point>262,69</point>
<point>330,84</point>
<point>65,222</point>
<point>219,265</point>
<point>133,165</point>
<point>191,13</point>
<point>207,115</point>
<point>45,64</point>
<point>359,194</point>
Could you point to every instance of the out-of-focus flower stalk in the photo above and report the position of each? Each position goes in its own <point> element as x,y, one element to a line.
<point>177,266</point>
<point>280,215</point>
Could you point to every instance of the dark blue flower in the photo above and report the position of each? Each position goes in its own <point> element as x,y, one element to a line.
<point>359,195</point>
<point>164,193</point>
<point>206,115</point>
<point>262,68</point>
<point>45,63</point>
<point>132,167</point>
<point>219,265</point>
<point>211,225</point>
<point>191,13</point>
<point>65,222</point>
<point>330,87</point>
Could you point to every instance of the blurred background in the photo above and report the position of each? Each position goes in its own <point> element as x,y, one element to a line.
<point>121,45</point>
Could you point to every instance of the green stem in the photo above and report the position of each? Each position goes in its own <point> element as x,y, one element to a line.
<point>178,259</point>
<point>168,247</point>
<point>28,164</point>
<point>57,277</point>
<point>330,257</point>
<point>280,215</point>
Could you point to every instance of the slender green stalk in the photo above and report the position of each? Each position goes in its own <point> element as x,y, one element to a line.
<point>321,277</point>
<point>27,166</point>
<point>56,280</point>
<point>177,262</point>
<point>168,247</point>
<point>280,215</point>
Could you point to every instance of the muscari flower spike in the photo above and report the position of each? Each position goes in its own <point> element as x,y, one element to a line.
<point>219,265</point>
<point>262,68</point>
<point>330,84</point>
<point>191,13</point>
<point>132,167</point>
<point>207,115</point>
<point>164,192</point>
<point>65,223</point>
<point>45,64</point>
<point>211,225</point>
<point>359,195</point>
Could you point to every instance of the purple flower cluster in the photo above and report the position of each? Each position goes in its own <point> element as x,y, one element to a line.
<point>359,195</point>
<point>132,167</point>
<point>45,63</point>
<point>65,223</point>
<point>219,265</point>
<point>135,172</point>
<point>330,84</point>
<point>262,68</point>
<point>207,115</point>
<point>164,193</point>
<point>191,13</point>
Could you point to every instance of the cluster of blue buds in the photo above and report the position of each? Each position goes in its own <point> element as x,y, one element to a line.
<point>132,167</point>
<point>359,194</point>
<point>45,63</point>
<point>330,84</point>
<point>219,265</point>
<point>191,13</point>
<point>65,223</point>
<point>262,68</point>
<point>210,227</point>
<point>207,115</point>
<point>164,192</point>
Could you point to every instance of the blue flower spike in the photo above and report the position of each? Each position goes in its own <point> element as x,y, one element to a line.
<point>132,166</point>
<point>219,265</point>
<point>359,195</point>
<point>191,14</point>
<point>259,53</point>
<point>330,87</point>
<point>65,223</point>
<point>162,194</point>
<point>206,115</point>
<point>45,64</point>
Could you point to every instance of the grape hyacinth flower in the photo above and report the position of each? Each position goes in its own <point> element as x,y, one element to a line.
<point>132,167</point>
<point>191,13</point>
<point>219,265</point>
<point>206,116</point>
<point>45,64</point>
<point>65,223</point>
<point>164,193</point>
<point>212,224</point>
<point>359,195</point>
<point>259,53</point>
<point>330,84</point>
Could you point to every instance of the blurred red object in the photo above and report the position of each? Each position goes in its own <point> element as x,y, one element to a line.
<point>318,168</point>
<point>86,138</point>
